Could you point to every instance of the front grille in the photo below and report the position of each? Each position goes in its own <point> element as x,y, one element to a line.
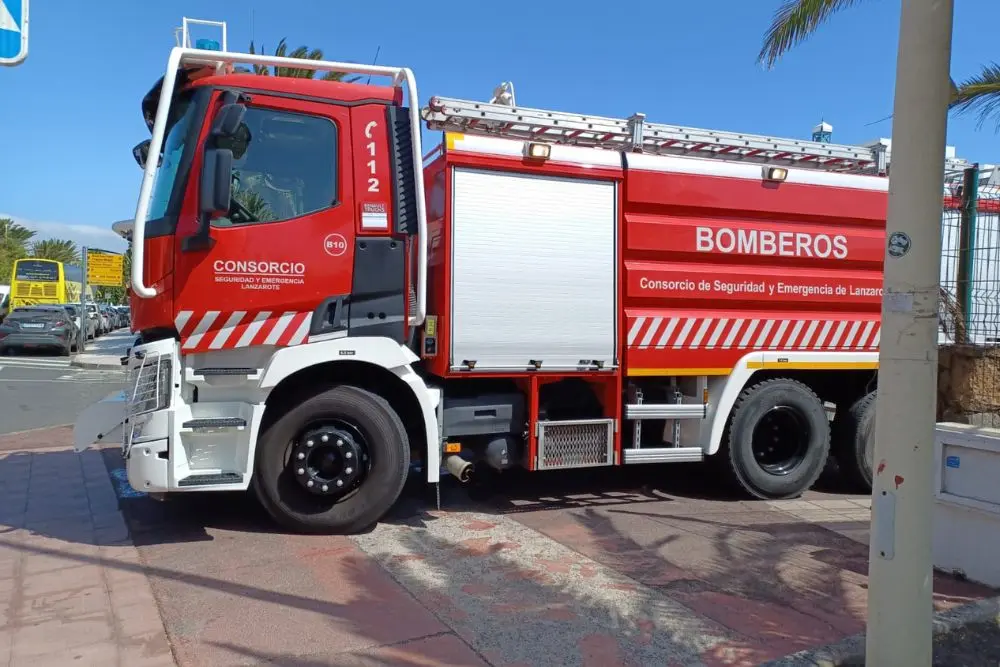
<point>149,385</point>
<point>576,444</point>
<point>26,290</point>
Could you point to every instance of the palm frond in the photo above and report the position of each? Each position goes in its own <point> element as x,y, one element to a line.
<point>305,53</point>
<point>340,76</point>
<point>980,94</point>
<point>60,250</point>
<point>794,21</point>
<point>261,70</point>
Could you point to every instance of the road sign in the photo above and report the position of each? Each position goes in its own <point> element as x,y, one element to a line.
<point>104,269</point>
<point>13,32</point>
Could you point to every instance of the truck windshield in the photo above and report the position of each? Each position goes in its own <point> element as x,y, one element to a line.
<point>36,270</point>
<point>173,148</point>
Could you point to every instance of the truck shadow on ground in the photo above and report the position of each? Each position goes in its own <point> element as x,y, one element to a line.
<point>682,581</point>
<point>187,517</point>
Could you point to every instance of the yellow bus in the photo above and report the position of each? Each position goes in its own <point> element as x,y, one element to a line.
<point>41,281</point>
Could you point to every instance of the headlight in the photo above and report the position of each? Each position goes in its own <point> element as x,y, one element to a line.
<point>150,385</point>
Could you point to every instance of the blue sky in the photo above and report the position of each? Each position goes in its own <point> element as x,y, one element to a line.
<point>69,115</point>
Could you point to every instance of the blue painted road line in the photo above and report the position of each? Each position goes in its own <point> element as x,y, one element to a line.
<point>119,479</point>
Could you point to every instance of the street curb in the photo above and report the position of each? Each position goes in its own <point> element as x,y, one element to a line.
<point>853,648</point>
<point>94,365</point>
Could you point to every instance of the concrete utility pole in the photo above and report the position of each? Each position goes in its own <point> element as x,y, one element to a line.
<point>899,595</point>
<point>84,315</point>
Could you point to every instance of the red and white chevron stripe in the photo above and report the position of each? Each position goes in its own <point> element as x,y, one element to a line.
<point>217,330</point>
<point>710,333</point>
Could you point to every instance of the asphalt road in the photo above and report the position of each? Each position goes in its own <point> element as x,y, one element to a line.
<point>39,391</point>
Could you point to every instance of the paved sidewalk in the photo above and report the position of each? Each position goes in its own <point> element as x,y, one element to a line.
<point>105,352</point>
<point>541,576</point>
<point>72,590</point>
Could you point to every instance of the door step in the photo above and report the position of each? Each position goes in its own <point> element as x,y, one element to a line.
<point>215,372</point>
<point>211,479</point>
<point>662,455</point>
<point>666,410</point>
<point>216,422</point>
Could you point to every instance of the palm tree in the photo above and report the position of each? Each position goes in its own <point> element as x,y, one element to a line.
<point>14,240</point>
<point>305,52</point>
<point>796,20</point>
<point>11,232</point>
<point>59,250</point>
<point>254,203</point>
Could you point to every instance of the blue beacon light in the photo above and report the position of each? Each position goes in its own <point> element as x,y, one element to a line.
<point>207,45</point>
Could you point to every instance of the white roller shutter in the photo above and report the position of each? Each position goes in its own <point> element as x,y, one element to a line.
<point>533,270</point>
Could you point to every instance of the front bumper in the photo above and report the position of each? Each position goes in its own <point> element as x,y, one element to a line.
<point>126,415</point>
<point>33,340</point>
<point>139,418</point>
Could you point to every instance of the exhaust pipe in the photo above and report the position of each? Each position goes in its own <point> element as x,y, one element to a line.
<point>459,467</point>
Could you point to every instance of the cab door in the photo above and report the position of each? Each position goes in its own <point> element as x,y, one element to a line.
<point>285,249</point>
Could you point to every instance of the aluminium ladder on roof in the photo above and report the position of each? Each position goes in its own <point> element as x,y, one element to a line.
<point>635,134</point>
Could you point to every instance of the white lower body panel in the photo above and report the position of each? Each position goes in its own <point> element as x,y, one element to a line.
<point>534,271</point>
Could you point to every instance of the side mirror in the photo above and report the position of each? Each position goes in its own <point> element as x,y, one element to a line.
<point>216,189</point>
<point>227,122</point>
<point>141,154</point>
<point>215,192</point>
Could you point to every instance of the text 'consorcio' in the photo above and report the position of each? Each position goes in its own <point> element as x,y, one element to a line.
<point>259,268</point>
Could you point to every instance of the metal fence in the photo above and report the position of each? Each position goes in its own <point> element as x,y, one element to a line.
<point>969,317</point>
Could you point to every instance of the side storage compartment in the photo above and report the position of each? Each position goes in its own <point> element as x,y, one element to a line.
<point>534,272</point>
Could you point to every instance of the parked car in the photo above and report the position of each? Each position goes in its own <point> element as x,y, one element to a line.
<point>38,327</point>
<point>126,316</point>
<point>4,301</point>
<point>111,316</point>
<point>100,320</point>
<point>91,327</point>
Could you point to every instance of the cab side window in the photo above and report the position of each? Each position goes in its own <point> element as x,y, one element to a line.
<point>284,166</point>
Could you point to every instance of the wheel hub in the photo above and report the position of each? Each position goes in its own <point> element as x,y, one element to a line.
<point>780,440</point>
<point>327,461</point>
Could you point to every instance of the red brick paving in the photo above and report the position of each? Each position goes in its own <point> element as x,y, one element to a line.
<point>231,591</point>
<point>39,438</point>
<point>72,589</point>
<point>780,582</point>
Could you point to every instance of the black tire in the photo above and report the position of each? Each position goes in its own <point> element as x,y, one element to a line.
<point>854,442</point>
<point>765,468</point>
<point>385,443</point>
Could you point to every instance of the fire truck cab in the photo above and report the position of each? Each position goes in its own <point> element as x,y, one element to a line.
<point>319,305</point>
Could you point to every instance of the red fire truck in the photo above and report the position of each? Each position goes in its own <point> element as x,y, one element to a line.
<point>319,305</point>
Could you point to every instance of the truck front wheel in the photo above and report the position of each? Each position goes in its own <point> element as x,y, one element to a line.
<point>778,439</point>
<point>334,463</point>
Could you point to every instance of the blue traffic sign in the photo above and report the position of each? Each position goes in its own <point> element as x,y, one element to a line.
<point>13,31</point>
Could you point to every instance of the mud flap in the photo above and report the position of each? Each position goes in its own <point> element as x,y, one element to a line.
<point>101,422</point>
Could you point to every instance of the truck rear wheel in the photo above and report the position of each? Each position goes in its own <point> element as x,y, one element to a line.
<point>334,463</point>
<point>854,442</point>
<point>778,439</point>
